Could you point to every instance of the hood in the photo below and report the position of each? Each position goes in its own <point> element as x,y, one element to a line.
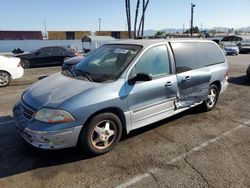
<point>73,60</point>
<point>23,55</point>
<point>54,90</point>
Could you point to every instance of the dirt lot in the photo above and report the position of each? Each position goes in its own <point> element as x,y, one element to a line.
<point>192,149</point>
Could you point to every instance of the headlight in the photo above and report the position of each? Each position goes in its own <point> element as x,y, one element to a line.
<point>49,115</point>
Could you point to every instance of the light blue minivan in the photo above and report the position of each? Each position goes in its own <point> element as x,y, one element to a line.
<point>120,87</point>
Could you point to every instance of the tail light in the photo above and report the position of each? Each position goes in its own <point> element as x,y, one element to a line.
<point>226,76</point>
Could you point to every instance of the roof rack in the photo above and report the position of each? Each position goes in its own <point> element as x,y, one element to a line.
<point>152,37</point>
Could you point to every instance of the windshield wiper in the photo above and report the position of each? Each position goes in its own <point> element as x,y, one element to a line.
<point>87,75</point>
<point>82,73</point>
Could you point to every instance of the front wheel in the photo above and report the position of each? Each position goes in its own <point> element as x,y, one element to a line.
<point>25,63</point>
<point>4,79</point>
<point>212,98</point>
<point>101,134</point>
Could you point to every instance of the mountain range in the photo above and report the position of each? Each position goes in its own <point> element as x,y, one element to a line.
<point>151,32</point>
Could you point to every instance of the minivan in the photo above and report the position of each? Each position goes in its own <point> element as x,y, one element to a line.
<point>120,87</point>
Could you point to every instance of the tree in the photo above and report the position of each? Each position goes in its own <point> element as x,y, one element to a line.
<point>141,25</point>
<point>136,16</point>
<point>127,3</point>
<point>195,30</point>
<point>160,34</point>
<point>140,29</point>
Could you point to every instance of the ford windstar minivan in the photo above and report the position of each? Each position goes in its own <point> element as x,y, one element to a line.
<point>120,87</point>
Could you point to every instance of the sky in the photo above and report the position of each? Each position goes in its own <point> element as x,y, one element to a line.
<point>73,15</point>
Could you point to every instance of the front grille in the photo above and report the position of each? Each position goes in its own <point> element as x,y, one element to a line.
<point>27,110</point>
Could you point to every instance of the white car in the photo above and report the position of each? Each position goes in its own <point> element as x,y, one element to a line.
<point>10,68</point>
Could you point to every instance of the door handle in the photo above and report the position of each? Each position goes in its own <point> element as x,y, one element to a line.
<point>169,84</point>
<point>186,78</point>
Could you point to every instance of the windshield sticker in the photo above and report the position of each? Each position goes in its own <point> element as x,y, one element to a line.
<point>120,51</point>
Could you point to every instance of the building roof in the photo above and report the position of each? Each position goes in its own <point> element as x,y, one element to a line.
<point>21,35</point>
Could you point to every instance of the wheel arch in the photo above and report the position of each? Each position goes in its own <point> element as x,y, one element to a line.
<point>217,83</point>
<point>6,72</point>
<point>115,110</point>
<point>10,77</point>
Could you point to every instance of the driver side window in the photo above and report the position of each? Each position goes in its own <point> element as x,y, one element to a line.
<point>154,61</point>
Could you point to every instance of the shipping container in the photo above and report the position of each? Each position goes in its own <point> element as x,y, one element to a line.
<point>115,34</point>
<point>21,35</point>
<point>67,35</point>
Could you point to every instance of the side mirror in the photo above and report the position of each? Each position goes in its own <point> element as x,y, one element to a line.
<point>140,77</point>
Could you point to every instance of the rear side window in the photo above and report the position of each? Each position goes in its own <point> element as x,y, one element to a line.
<point>58,51</point>
<point>195,55</point>
<point>212,54</point>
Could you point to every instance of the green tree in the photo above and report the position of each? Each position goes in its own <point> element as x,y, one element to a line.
<point>195,30</point>
<point>160,34</point>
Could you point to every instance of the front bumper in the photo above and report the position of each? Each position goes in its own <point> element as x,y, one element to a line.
<point>60,137</point>
<point>224,85</point>
<point>52,139</point>
<point>18,73</point>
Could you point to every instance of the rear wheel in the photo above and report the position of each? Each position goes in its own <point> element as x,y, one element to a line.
<point>101,134</point>
<point>25,63</point>
<point>4,79</point>
<point>212,98</point>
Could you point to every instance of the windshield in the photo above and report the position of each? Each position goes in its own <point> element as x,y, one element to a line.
<point>230,45</point>
<point>107,62</point>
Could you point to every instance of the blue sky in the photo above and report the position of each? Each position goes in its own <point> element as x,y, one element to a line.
<point>84,14</point>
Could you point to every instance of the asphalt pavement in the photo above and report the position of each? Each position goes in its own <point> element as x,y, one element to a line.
<point>191,149</point>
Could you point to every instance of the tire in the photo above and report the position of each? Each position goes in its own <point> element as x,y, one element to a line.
<point>25,63</point>
<point>101,134</point>
<point>212,98</point>
<point>4,79</point>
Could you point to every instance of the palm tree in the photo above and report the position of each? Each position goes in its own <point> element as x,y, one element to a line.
<point>141,25</point>
<point>142,19</point>
<point>136,16</point>
<point>127,4</point>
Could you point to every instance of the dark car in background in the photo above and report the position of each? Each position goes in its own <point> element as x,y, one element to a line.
<point>244,48</point>
<point>51,55</point>
<point>70,62</point>
<point>248,72</point>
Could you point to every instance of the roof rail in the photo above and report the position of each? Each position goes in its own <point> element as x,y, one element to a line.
<point>152,37</point>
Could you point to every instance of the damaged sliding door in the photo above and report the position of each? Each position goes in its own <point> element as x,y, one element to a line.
<point>193,76</point>
<point>192,87</point>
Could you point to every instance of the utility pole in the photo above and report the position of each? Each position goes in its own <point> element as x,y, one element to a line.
<point>45,30</point>
<point>183,28</point>
<point>192,12</point>
<point>99,21</point>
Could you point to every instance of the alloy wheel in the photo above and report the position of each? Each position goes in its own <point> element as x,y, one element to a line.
<point>4,79</point>
<point>104,134</point>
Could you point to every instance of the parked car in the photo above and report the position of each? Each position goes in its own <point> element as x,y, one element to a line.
<point>248,72</point>
<point>71,62</point>
<point>119,87</point>
<point>244,48</point>
<point>51,55</point>
<point>230,48</point>
<point>10,68</point>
